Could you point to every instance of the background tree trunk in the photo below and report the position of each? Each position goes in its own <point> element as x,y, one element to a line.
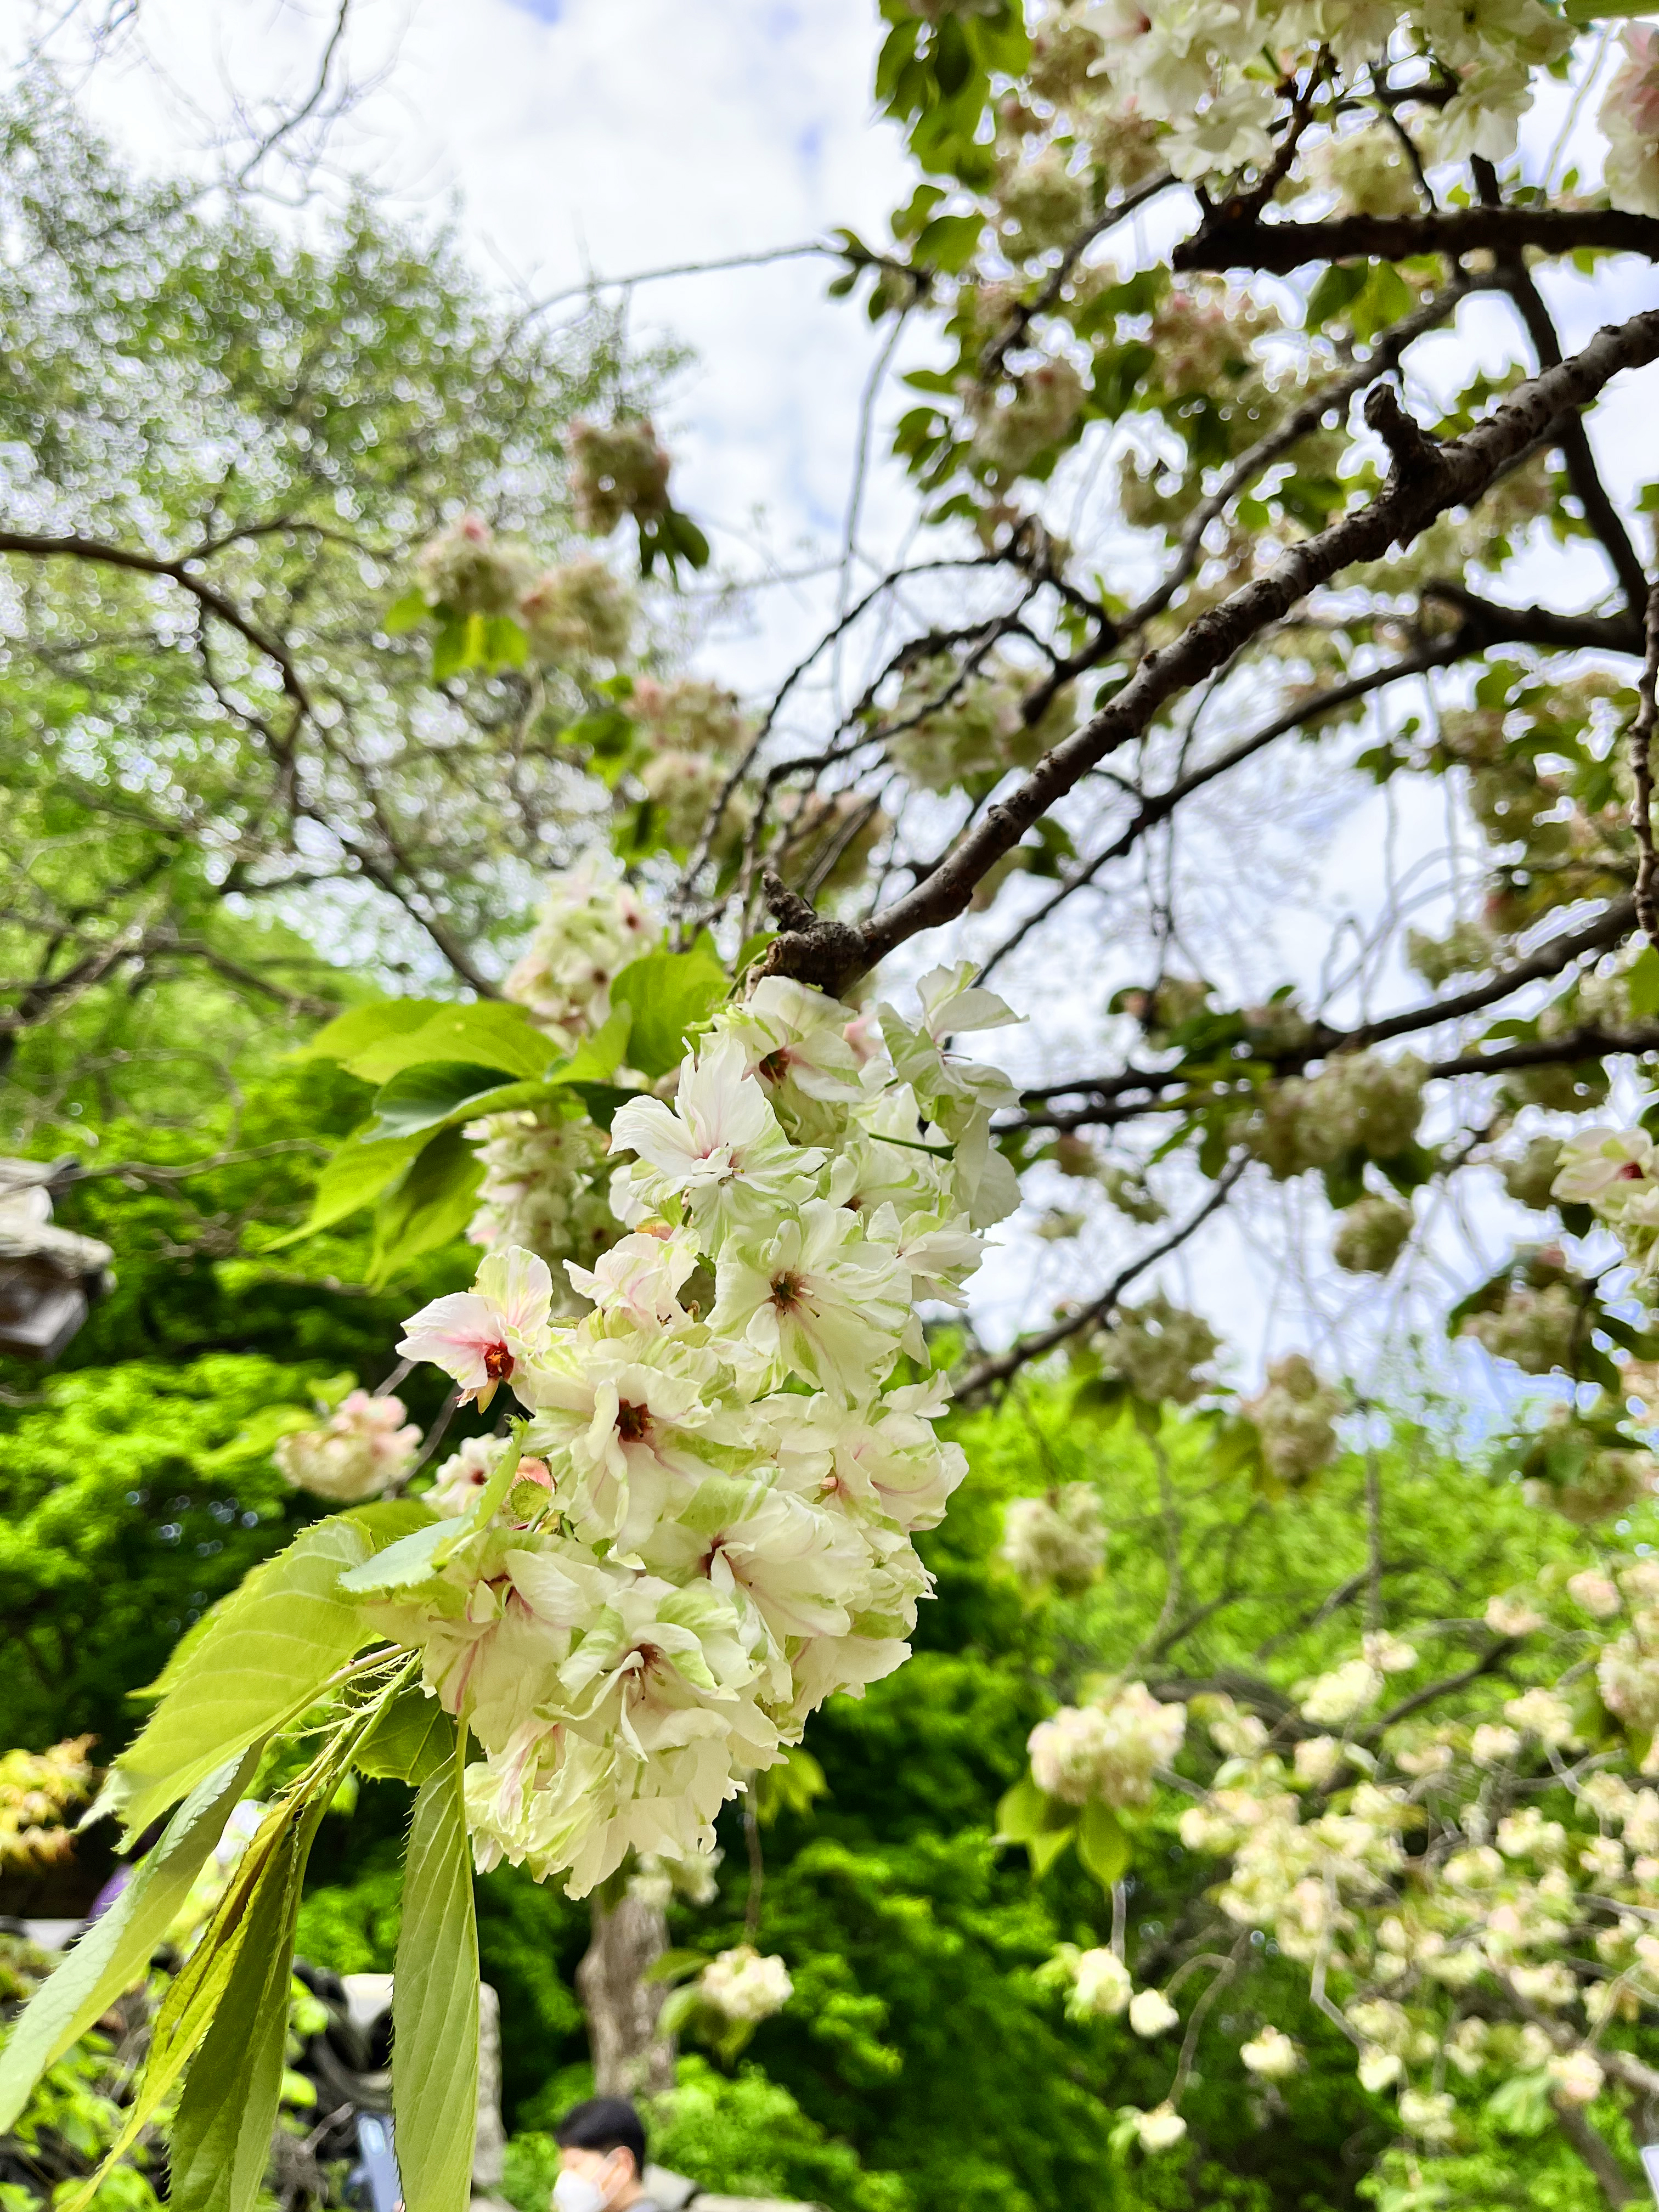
<point>630,2057</point>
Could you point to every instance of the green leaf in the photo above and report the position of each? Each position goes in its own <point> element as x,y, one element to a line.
<point>1642,983</point>
<point>115,1951</point>
<point>420,1098</point>
<point>405,614</point>
<point>1586,12</point>
<point>219,2145</point>
<point>430,1206</point>
<point>602,1100</point>
<point>449,647</point>
<point>504,645</point>
<point>1044,1849</point>
<point>409,1742</point>
<point>347,1035</point>
<point>1102,1845</point>
<point>948,243</point>
<point>400,1565</point>
<point>1342,282</point>
<point>268,1657</point>
<point>434,2004</point>
<point>1026,1816</point>
<point>1022,1812</point>
<point>388,1520</point>
<point>489,1033</point>
<point>194,1993</point>
<point>668,993</point>
<point>597,1058</point>
<point>357,1175</point>
<point>1520,2106</point>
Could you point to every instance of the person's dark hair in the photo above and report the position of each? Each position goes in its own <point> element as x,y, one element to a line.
<point>602,2124</point>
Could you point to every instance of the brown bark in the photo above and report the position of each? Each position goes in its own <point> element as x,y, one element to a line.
<point>1232,239</point>
<point>631,2058</point>
<point>1611,2177</point>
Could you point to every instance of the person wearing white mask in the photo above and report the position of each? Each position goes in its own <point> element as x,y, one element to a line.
<point>601,2157</point>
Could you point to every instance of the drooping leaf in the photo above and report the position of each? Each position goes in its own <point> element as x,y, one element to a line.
<point>491,1034</point>
<point>400,1566</point>
<point>1022,1812</point>
<point>1339,284</point>
<point>193,1996</point>
<point>115,1951</point>
<point>420,1097</point>
<point>668,993</point>
<point>357,1175</point>
<point>406,613</point>
<point>219,2145</point>
<point>387,1520</point>
<point>430,1206</point>
<point>434,2004</point>
<point>1102,1845</point>
<point>268,1657</point>
<point>352,1033</point>
<point>412,1738</point>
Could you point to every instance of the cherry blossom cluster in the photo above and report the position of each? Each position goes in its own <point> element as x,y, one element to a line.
<point>745,1987</point>
<point>1615,1172</point>
<point>1358,1100</point>
<point>1411,1869</point>
<point>362,1451</point>
<point>702,1526</point>
<point>1058,1541</point>
<point>1294,1415</point>
<point>1109,1749</point>
<point>571,614</point>
<point>1196,70</point>
<point>951,724</point>
<point>1630,118</point>
<point>616,469</point>
<point>545,1183</point>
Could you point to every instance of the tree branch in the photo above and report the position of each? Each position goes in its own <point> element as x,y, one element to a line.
<point>1641,762</point>
<point>990,1372</point>
<point>1224,241</point>
<point>207,595</point>
<point>1426,479</point>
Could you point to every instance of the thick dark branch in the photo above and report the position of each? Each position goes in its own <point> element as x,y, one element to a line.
<point>1226,242</point>
<point>1641,762</point>
<point>1488,622</point>
<point>989,1373</point>
<point>1608,928</point>
<point>206,595</point>
<point>1591,1044</point>
<point>1601,513</point>
<point>1425,480</point>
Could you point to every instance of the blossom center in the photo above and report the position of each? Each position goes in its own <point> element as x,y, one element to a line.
<point>498,1362</point>
<point>1630,1172</point>
<point>775,1066</point>
<point>787,1291</point>
<point>633,1423</point>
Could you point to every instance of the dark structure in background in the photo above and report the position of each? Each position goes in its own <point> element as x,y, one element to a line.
<point>49,1276</point>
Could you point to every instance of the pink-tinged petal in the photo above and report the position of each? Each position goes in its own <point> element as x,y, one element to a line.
<point>520,1285</point>
<point>463,1334</point>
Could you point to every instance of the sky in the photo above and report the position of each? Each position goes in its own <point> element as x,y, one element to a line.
<point>578,137</point>
<point>573,138</point>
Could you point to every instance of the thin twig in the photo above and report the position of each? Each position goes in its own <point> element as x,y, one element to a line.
<point>1641,763</point>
